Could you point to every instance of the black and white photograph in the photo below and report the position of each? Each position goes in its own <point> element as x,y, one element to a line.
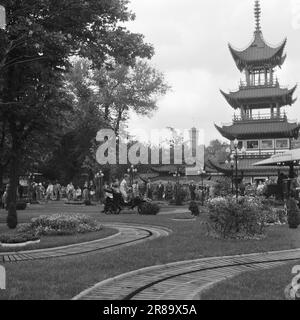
<point>149,154</point>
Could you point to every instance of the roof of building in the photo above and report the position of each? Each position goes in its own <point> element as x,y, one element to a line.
<point>259,53</point>
<point>261,96</point>
<point>169,169</point>
<point>260,129</point>
<point>246,168</point>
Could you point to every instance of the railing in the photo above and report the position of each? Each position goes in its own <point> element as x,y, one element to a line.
<point>276,117</point>
<point>259,84</point>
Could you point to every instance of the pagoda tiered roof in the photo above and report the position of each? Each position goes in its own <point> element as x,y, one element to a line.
<point>259,54</point>
<point>260,96</point>
<point>260,129</point>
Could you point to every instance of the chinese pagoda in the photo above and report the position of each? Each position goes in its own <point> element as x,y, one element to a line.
<point>261,125</point>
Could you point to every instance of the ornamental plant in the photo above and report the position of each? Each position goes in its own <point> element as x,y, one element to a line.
<point>232,218</point>
<point>293,214</point>
<point>149,209</point>
<point>60,224</point>
<point>194,209</point>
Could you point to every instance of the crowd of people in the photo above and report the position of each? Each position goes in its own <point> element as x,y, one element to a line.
<point>157,191</point>
<point>129,189</point>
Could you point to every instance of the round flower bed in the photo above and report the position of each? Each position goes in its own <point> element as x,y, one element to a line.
<point>60,224</point>
<point>18,240</point>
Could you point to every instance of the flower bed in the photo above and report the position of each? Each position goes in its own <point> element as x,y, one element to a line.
<point>18,240</point>
<point>59,224</point>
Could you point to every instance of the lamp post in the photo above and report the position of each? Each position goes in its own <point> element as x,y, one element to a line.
<point>234,164</point>
<point>99,179</point>
<point>177,176</point>
<point>132,172</point>
<point>231,162</point>
<point>202,174</point>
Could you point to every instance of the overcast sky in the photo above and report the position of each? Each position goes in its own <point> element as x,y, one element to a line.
<point>191,43</point>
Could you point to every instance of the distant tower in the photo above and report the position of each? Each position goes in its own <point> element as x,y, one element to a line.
<point>261,127</point>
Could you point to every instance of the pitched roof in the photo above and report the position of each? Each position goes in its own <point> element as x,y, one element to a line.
<point>259,53</point>
<point>245,167</point>
<point>258,95</point>
<point>260,129</point>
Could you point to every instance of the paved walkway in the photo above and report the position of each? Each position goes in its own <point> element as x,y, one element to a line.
<point>127,235</point>
<point>185,280</point>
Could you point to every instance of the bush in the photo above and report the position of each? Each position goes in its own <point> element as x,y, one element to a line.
<point>59,224</point>
<point>19,238</point>
<point>194,209</point>
<point>87,202</point>
<point>21,205</point>
<point>230,218</point>
<point>149,209</point>
<point>293,214</point>
<point>275,216</point>
<point>223,188</point>
<point>12,218</point>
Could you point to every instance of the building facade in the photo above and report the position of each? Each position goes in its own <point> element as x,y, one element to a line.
<point>260,123</point>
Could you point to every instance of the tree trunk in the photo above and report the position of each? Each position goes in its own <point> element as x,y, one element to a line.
<point>1,180</point>
<point>13,176</point>
<point>106,112</point>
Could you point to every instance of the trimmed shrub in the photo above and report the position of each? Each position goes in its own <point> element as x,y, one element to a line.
<point>149,209</point>
<point>12,218</point>
<point>21,205</point>
<point>293,214</point>
<point>229,218</point>
<point>19,238</point>
<point>193,207</point>
<point>87,202</point>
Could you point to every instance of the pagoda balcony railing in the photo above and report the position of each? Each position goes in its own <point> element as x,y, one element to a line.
<point>259,84</point>
<point>276,117</point>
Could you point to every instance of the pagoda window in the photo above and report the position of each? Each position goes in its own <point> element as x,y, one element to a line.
<point>253,145</point>
<point>282,144</point>
<point>267,144</point>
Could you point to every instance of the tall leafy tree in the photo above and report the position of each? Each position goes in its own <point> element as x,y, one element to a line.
<point>40,37</point>
<point>129,88</point>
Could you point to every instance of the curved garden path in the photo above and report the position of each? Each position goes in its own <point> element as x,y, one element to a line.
<point>184,280</point>
<point>127,235</point>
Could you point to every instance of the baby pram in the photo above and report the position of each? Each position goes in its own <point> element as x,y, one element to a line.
<point>116,204</point>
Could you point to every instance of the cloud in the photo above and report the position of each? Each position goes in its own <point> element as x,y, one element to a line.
<point>191,38</point>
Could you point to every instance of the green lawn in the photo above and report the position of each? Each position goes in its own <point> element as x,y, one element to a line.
<point>258,285</point>
<point>63,278</point>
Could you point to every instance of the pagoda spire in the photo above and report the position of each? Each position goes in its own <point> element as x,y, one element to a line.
<point>257,14</point>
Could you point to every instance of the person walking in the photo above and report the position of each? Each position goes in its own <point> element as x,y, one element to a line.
<point>135,190</point>
<point>149,190</point>
<point>192,188</point>
<point>49,192</point>
<point>161,190</point>
<point>70,191</point>
<point>124,188</point>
